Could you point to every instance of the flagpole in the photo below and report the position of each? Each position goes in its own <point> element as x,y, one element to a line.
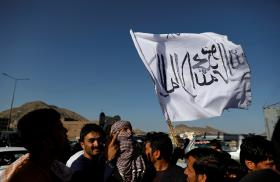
<point>171,131</point>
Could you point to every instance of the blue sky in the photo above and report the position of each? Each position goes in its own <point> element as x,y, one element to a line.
<point>79,54</point>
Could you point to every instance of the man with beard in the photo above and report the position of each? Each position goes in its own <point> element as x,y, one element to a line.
<point>92,164</point>
<point>44,136</point>
<point>158,149</point>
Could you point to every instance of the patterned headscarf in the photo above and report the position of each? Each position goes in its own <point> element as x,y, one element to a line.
<point>130,163</point>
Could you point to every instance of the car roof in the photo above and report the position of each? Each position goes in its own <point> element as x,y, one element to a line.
<point>8,149</point>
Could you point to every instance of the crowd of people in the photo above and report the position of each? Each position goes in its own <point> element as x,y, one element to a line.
<point>113,155</point>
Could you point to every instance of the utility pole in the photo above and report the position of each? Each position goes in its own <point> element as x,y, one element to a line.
<point>13,97</point>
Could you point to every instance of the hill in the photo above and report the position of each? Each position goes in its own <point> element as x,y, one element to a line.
<point>20,111</point>
<point>181,128</point>
<point>74,121</point>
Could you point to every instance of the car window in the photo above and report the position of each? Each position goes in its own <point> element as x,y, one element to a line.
<point>229,145</point>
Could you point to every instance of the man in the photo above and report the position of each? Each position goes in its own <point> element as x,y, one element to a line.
<point>44,136</point>
<point>158,149</point>
<point>92,163</point>
<point>102,119</point>
<point>256,153</point>
<point>203,164</point>
<point>268,174</point>
<point>209,169</point>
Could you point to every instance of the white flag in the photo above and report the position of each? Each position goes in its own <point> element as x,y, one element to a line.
<point>196,76</point>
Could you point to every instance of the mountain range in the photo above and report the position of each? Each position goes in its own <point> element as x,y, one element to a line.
<point>70,116</point>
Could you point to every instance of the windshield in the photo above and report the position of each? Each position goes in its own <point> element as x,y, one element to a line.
<point>228,144</point>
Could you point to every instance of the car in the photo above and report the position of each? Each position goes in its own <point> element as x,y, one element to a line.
<point>230,143</point>
<point>8,155</point>
<point>9,138</point>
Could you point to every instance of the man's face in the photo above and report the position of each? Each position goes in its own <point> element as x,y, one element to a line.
<point>149,153</point>
<point>92,144</point>
<point>189,171</point>
<point>60,140</point>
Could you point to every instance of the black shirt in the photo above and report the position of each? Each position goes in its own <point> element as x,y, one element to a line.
<point>95,169</point>
<point>172,173</point>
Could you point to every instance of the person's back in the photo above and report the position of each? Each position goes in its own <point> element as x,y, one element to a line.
<point>44,136</point>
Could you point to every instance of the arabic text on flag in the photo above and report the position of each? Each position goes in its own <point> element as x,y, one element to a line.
<point>195,75</point>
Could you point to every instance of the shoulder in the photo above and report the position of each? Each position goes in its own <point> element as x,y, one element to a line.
<point>61,171</point>
<point>176,168</point>
<point>267,175</point>
<point>178,172</point>
<point>79,163</point>
<point>171,173</point>
<point>74,157</point>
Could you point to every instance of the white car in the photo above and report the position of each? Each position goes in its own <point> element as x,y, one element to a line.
<point>230,143</point>
<point>8,155</point>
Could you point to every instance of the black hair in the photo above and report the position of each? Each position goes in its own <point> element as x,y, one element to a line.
<point>210,166</point>
<point>233,170</point>
<point>198,153</point>
<point>37,125</point>
<point>87,128</point>
<point>160,141</point>
<point>256,149</point>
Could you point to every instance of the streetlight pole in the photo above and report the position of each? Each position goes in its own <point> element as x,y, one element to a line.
<point>13,97</point>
